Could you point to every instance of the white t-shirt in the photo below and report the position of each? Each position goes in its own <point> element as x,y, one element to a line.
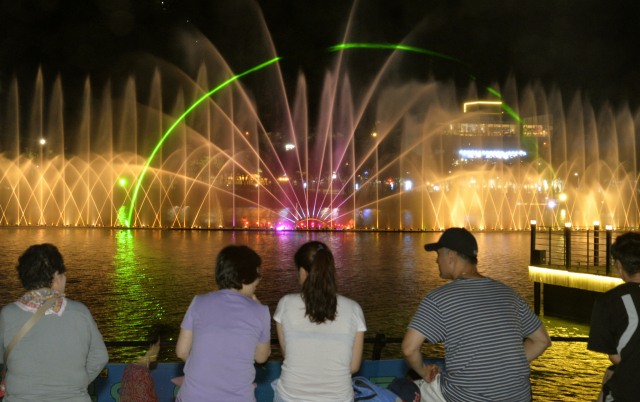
<point>317,364</point>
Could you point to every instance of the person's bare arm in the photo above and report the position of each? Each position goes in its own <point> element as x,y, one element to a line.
<point>536,343</point>
<point>263,351</point>
<point>615,359</point>
<point>183,347</point>
<point>411,349</point>
<point>358,345</point>
<point>280,337</point>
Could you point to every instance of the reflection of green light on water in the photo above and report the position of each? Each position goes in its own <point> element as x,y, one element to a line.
<point>199,101</point>
<point>123,182</point>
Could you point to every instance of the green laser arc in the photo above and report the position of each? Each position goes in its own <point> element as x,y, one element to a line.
<point>182,117</point>
<point>276,59</point>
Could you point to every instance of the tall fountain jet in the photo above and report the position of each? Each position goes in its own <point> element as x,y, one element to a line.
<point>203,146</point>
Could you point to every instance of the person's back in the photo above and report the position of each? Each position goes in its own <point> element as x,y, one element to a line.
<point>614,324</point>
<point>227,327</point>
<point>318,356</point>
<point>57,359</point>
<point>321,333</point>
<point>482,323</point>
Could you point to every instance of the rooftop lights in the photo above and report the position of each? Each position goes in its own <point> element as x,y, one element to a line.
<point>464,106</point>
<point>490,154</point>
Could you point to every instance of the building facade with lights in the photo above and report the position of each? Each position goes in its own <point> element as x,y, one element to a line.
<point>489,132</point>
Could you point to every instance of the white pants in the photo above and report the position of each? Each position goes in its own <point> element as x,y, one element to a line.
<point>430,391</point>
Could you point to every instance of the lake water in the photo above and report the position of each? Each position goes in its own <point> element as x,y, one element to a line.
<point>131,279</point>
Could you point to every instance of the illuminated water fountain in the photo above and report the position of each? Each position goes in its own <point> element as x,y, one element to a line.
<point>208,147</point>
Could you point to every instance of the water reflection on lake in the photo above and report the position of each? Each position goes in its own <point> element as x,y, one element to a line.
<point>131,279</point>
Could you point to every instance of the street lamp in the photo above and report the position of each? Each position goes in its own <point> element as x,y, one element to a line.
<point>42,141</point>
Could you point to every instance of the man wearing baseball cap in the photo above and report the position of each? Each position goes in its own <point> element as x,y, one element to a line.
<point>489,333</point>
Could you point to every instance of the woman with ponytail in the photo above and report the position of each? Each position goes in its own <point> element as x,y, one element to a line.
<point>321,333</point>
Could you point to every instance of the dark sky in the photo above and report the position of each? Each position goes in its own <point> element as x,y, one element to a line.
<point>587,45</point>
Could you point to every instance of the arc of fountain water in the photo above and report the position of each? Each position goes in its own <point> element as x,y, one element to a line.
<point>216,89</point>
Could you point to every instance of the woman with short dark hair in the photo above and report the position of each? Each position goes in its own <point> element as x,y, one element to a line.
<point>321,333</point>
<point>223,333</point>
<point>63,352</point>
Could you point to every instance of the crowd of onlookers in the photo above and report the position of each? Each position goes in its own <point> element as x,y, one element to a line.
<point>52,347</point>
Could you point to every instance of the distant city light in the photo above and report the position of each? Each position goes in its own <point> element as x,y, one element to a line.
<point>123,182</point>
<point>289,147</point>
<point>366,172</point>
<point>334,176</point>
<point>608,227</point>
<point>374,134</point>
<point>357,186</point>
<point>304,184</point>
<point>391,185</point>
<point>436,187</point>
<point>567,224</point>
<point>42,141</point>
<point>551,203</point>
<point>408,185</point>
<point>563,197</point>
<point>490,154</point>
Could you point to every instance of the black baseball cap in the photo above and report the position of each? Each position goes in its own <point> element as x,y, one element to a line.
<point>459,240</point>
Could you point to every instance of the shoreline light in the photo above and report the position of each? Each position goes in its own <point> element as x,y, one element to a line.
<point>576,280</point>
<point>490,153</point>
<point>464,106</point>
<point>533,221</point>
<point>609,227</point>
<point>567,224</point>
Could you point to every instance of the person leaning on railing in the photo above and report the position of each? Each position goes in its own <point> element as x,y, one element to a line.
<point>614,324</point>
<point>321,333</point>
<point>223,333</point>
<point>63,352</point>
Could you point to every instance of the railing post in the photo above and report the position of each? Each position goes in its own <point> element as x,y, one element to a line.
<point>596,243</point>
<point>608,246</point>
<point>549,259</point>
<point>379,343</point>
<point>535,260</point>
<point>567,245</point>
<point>532,258</point>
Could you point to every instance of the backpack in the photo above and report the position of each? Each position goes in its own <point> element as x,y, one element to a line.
<point>365,390</point>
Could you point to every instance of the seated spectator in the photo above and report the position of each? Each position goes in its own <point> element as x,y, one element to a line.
<point>137,383</point>
<point>63,352</point>
<point>321,333</point>
<point>614,324</point>
<point>489,333</point>
<point>224,332</point>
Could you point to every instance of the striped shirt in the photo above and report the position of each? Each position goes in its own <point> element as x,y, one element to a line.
<point>482,324</point>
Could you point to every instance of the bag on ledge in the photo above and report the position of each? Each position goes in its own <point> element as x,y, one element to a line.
<point>365,390</point>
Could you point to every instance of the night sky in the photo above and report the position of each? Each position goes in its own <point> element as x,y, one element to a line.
<point>586,45</point>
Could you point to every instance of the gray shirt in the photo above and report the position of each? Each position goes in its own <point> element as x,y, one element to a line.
<point>57,359</point>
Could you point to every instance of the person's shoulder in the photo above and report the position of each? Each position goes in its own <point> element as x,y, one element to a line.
<point>619,291</point>
<point>345,301</point>
<point>76,306</point>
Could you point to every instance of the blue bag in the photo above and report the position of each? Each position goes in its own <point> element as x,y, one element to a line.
<point>367,391</point>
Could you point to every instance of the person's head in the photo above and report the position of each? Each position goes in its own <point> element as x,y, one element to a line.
<point>42,266</point>
<point>238,268</point>
<point>626,251</point>
<point>317,272</point>
<point>455,246</point>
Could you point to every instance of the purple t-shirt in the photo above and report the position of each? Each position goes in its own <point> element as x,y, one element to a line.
<point>227,327</point>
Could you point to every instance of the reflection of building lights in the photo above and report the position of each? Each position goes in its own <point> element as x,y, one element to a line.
<point>490,154</point>
<point>551,204</point>
<point>408,185</point>
<point>289,147</point>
